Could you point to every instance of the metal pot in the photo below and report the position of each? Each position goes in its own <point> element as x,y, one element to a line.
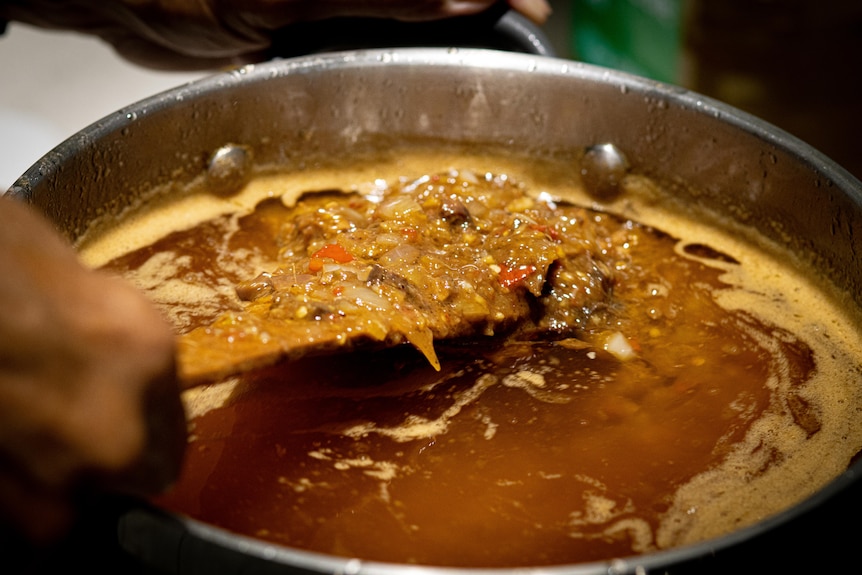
<point>295,112</point>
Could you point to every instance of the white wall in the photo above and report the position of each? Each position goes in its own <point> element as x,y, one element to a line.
<point>53,84</point>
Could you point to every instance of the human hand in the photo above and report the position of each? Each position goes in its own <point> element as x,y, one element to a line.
<point>200,34</point>
<point>88,394</point>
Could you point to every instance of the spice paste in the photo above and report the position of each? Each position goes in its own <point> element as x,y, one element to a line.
<point>442,256</point>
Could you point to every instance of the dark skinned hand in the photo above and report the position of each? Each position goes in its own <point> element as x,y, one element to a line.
<point>88,394</point>
<point>199,34</point>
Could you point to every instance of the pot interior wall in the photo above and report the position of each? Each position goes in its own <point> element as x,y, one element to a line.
<point>295,112</point>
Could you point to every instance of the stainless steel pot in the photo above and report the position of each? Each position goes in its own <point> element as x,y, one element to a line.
<point>299,111</point>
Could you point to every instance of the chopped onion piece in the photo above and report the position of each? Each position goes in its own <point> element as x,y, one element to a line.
<point>366,297</point>
<point>398,207</point>
<point>618,346</point>
<point>402,254</point>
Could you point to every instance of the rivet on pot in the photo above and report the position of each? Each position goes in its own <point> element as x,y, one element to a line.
<point>603,168</point>
<point>228,169</point>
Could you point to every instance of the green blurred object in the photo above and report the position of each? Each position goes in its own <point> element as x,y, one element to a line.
<point>639,36</point>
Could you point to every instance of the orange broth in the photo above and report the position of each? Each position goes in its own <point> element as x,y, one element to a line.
<point>519,452</point>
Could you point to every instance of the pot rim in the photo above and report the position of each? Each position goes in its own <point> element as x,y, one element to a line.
<point>486,59</point>
<point>481,58</point>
